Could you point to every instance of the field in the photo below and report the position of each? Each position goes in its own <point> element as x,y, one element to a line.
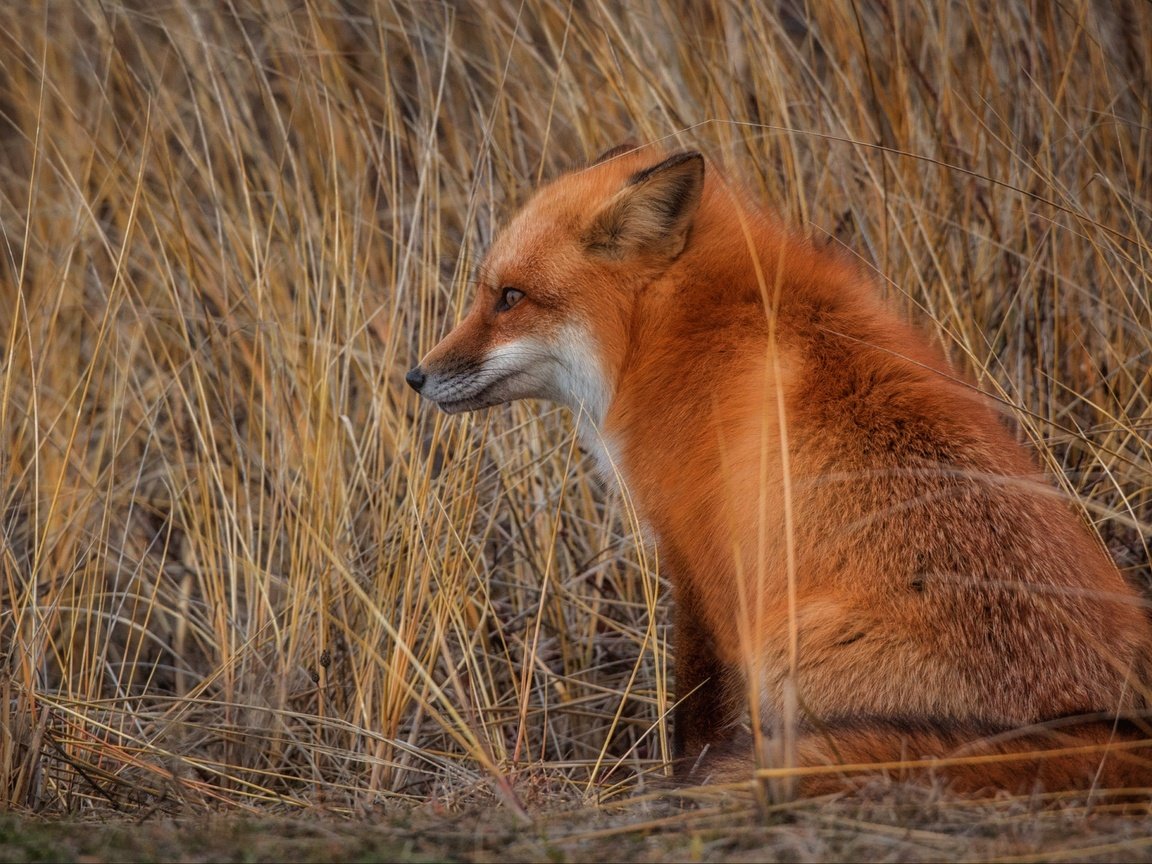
<point>254,595</point>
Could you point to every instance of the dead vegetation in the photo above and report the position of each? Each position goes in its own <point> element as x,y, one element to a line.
<point>241,568</point>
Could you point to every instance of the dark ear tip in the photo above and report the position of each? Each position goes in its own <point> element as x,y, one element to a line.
<point>696,157</point>
<point>624,147</point>
<point>676,160</point>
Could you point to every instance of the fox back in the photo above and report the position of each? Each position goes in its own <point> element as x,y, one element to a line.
<point>857,544</point>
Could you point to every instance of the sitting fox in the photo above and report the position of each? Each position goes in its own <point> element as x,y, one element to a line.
<point>861,554</point>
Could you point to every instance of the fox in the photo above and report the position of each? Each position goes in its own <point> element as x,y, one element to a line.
<point>866,566</point>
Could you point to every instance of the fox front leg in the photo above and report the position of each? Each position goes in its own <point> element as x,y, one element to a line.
<point>708,695</point>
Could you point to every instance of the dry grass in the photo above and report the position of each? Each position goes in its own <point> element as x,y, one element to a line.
<point>242,568</point>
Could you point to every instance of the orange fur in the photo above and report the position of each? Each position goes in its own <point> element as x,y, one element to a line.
<point>847,524</point>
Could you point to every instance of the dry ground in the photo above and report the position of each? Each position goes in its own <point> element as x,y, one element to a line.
<point>247,583</point>
<point>899,825</point>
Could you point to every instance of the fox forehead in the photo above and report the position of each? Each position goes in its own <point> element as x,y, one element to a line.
<point>533,252</point>
<point>545,233</point>
<point>542,275</point>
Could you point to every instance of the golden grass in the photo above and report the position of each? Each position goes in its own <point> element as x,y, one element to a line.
<point>242,567</point>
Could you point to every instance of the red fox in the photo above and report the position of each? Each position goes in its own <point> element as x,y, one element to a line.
<point>860,552</point>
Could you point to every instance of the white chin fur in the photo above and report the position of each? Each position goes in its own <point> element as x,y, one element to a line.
<point>578,378</point>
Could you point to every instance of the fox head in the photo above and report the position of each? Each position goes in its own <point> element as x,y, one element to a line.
<point>556,291</point>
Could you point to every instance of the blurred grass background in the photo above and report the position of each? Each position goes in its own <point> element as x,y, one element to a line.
<point>242,567</point>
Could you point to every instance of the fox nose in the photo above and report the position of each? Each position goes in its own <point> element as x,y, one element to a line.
<point>415,378</point>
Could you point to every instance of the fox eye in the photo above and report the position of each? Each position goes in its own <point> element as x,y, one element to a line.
<point>509,297</point>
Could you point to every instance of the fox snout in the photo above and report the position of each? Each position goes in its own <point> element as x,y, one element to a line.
<point>467,380</point>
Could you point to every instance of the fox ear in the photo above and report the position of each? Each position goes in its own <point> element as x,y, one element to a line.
<point>653,212</point>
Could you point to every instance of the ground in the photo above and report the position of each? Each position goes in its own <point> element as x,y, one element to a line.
<point>889,824</point>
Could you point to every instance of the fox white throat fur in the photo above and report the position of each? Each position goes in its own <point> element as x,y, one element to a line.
<point>859,551</point>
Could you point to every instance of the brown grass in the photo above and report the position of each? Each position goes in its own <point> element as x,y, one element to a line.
<point>242,569</point>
